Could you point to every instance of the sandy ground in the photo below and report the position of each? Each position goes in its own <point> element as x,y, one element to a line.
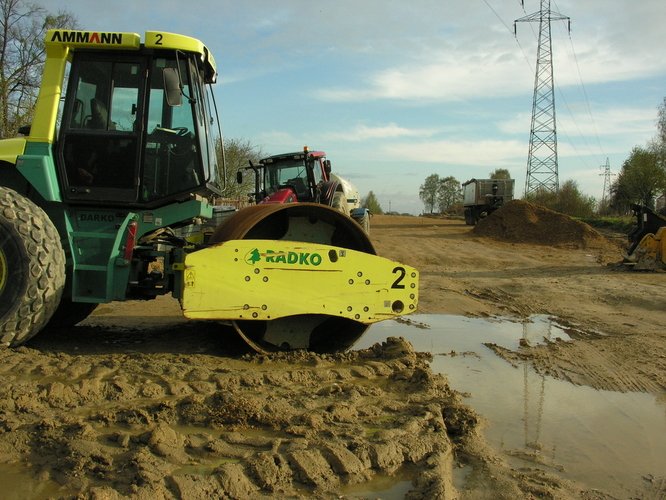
<point>616,317</point>
<point>138,402</point>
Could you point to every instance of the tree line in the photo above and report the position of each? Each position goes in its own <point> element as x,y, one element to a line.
<point>642,178</point>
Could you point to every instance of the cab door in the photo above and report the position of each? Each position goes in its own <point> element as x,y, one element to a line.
<point>98,147</point>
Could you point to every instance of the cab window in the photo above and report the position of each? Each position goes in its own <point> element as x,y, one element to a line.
<point>99,146</point>
<point>171,161</point>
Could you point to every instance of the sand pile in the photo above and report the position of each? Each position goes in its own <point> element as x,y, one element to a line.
<point>522,222</point>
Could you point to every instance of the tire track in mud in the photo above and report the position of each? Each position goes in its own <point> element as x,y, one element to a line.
<point>594,364</point>
<point>137,424</point>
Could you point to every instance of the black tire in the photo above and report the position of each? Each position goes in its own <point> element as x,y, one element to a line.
<point>364,222</point>
<point>469,217</point>
<point>32,268</point>
<point>339,203</point>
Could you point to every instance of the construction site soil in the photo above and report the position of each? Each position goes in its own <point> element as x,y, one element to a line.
<point>138,402</point>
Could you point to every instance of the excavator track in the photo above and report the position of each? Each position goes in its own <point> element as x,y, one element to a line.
<point>298,222</point>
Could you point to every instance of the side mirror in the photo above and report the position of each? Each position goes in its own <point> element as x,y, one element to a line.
<point>239,177</point>
<point>327,166</point>
<point>174,96</point>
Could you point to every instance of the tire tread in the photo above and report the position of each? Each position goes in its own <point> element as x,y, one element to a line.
<point>46,268</point>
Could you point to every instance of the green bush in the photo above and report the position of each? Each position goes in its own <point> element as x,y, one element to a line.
<point>620,224</point>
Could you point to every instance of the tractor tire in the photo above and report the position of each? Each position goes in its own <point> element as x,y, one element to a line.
<point>32,268</point>
<point>339,203</point>
<point>364,222</point>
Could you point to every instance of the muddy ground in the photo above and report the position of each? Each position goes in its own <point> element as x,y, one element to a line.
<point>138,402</point>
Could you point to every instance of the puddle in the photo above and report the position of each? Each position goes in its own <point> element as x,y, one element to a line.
<point>18,485</point>
<point>384,487</point>
<point>605,440</point>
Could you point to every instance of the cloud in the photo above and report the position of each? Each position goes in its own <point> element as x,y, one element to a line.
<point>464,152</point>
<point>452,75</point>
<point>461,73</point>
<point>476,64</point>
<point>607,122</point>
<point>611,130</point>
<point>389,131</point>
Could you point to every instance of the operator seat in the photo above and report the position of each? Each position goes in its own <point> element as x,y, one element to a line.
<point>300,187</point>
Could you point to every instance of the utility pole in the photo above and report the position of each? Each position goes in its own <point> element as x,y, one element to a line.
<point>542,168</point>
<point>605,197</point>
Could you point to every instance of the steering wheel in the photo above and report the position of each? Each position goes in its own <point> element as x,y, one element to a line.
<point>165,134</point>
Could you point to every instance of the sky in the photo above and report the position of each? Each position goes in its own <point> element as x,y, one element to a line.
<point>395,91</point>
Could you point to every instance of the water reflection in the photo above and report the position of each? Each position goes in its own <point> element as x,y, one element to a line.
<point>606,440</point>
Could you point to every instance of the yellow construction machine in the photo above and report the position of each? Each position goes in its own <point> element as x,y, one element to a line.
<point>97,191</point>
<point>647,241</point>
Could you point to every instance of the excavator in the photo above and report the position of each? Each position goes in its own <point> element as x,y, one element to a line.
<point>94,192</point>
<point>647,241</point>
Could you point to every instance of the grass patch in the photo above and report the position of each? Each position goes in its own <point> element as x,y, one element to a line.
<point>620,224</point>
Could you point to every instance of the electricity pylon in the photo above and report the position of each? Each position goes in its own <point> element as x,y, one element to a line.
<point>542,169</point>
<point>606,195</point>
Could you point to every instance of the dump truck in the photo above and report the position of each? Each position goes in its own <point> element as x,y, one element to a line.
<point>647,241</point>
<point>481,197</point>
<point>306,176</point>
<point>93,194</point>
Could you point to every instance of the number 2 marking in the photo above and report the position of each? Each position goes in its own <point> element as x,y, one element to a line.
<point>158,38</point>
<point>400,271</point>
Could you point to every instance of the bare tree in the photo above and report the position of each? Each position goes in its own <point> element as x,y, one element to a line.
<point>237,155</point>
<point>23,26</point>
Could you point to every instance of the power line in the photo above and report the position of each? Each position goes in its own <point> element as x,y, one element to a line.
<point>497,15</point>
<point>510,31</point>
<point>587,100</point>
<point>561,95</point>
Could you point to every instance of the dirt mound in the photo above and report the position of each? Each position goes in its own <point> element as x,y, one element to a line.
<point>522,222</point>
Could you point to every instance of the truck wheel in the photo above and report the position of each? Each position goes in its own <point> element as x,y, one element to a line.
<point>32,268</point>
<point>469,217</point>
